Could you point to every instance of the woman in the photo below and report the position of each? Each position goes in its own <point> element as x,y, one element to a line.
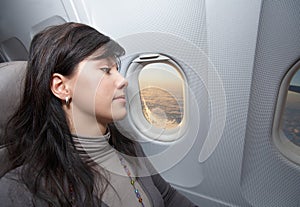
<point>63,147</point>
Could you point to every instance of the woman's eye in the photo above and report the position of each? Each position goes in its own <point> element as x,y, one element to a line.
<point>106,70</point>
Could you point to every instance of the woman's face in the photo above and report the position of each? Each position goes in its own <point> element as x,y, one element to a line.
<point>98,93</point>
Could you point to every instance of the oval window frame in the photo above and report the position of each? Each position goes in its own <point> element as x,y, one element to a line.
<point>286,147</point>
<point>136,114</point>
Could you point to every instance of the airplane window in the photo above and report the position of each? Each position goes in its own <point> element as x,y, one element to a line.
<point>291,114</point>
<point>158,97</point>
<point>161,93</point>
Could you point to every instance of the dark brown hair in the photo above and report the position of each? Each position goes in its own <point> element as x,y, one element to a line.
<point>41,140</point>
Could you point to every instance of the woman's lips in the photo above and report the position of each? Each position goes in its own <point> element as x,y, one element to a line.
<point>120,98</point>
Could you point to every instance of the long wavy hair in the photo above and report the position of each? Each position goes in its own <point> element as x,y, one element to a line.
<point>38,137</point>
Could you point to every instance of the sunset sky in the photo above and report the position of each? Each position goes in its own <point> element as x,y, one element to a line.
<point>161,75</point>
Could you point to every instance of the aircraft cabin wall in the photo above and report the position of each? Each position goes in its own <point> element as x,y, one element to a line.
<point>205,63</point>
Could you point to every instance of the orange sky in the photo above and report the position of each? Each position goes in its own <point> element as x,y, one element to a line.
<point>161,75</point>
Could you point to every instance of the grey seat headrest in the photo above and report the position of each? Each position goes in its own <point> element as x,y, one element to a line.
<point>13,49</point>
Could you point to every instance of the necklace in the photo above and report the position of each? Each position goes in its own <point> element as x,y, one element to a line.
<point>132,180</point>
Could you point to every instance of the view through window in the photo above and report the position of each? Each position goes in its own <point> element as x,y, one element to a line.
<point>291,115</point>
<point>162,94</point>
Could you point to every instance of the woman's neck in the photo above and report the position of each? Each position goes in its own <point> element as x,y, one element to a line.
<point>88,129</point>
<point>83,124</point>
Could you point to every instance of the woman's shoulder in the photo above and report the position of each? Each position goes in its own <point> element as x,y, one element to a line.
<point>13,192</point>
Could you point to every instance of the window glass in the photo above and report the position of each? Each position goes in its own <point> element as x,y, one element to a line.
<point>162,94</point>
<point>291,115</point>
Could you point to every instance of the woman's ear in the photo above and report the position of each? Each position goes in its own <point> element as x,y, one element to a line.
<point>60,86</point>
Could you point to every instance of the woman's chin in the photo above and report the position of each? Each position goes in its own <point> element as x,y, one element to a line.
<point>119,116</point>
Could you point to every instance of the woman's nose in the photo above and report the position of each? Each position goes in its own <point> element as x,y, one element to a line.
<point>122,82</point>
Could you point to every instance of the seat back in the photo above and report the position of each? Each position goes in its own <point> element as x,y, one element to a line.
<point>11,87</point>
<point>51,21</point>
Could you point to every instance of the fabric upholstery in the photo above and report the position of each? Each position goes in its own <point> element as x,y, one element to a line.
<point>11,86</point>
